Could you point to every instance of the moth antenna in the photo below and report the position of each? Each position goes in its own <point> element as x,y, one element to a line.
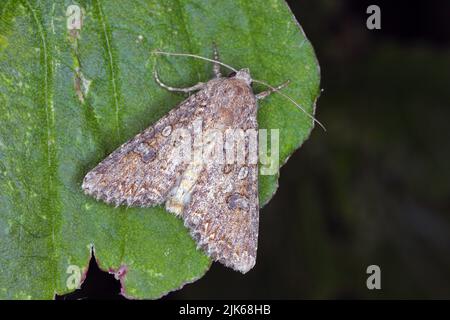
<point>233,69</point>
<point>292,100</point>
<point>193,56</point>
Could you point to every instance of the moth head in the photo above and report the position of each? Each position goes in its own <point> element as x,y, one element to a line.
<point>244,74</point>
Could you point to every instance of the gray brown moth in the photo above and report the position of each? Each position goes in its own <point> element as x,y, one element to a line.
<point>217,200</point>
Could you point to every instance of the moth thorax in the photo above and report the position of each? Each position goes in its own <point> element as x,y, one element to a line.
<point>244,74</point>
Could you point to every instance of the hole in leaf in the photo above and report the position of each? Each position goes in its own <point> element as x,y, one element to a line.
<point>97,285</point>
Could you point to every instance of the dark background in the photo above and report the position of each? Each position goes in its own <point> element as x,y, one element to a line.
<point>373,189</point>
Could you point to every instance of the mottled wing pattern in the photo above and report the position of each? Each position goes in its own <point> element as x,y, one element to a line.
<point>217,201</point>
<point>223,215</point>
<point>221,208</point>
<point>142,171</point>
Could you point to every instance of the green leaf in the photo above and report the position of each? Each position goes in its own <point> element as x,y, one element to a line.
<point>67,100</point>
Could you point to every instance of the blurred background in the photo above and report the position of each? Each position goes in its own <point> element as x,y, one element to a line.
<point>374,188</point>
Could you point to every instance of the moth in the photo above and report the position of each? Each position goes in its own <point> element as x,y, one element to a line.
<point>217,200</point>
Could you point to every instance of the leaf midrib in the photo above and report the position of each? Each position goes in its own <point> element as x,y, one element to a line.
<point>50,124</point>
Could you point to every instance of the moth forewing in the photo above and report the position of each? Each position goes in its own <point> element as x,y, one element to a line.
<point>216,198</point>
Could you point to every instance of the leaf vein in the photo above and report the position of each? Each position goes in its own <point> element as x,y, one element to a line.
<point>111,62</point>
<point>50,122</point>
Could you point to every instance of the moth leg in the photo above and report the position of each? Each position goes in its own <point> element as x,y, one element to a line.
<point>265,94</point>
<point>216,66</point>
<point>196,87</point>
